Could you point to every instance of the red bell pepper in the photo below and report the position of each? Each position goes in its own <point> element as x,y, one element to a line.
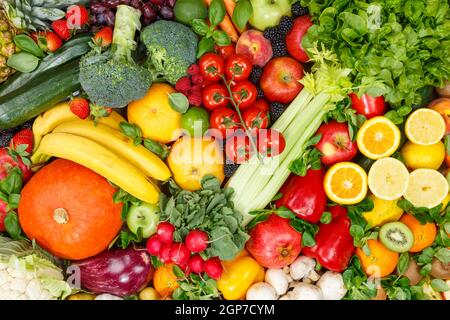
<point>304,196</point>
<point>367,105</point>
<point>334,244</point>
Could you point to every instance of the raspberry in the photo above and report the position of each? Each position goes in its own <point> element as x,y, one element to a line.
<point>183,85</point>
<point>195,99</point>
<point>193,69</point>
<point>197,89</point>
<point>197,79</point>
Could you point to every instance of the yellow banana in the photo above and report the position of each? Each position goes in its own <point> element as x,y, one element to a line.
<point>60,113</point>
<point>150,164</point>
<point>99,159</point>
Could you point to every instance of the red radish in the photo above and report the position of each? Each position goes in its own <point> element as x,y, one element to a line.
<point>154,245</point>
<point>165,232</point>
<point>179,254</point>
<point>196,264</point>
<point>3,212</point>
<point>164,253</point>
<point>7,162</point>
<point>186,269</point>
<point>197,241</point>
<point>213,268</point>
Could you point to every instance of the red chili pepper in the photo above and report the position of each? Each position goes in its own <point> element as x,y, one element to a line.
<point>334,244</point>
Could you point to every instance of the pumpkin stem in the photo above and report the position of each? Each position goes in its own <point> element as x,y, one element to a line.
<point>61,216</point>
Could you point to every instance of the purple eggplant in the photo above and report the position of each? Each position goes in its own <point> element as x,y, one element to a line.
<point>117,271</point>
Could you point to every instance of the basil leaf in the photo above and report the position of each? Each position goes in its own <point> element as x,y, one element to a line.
<point>27,44</point>
<point>132,131</point>
<point>439,285</point>
<point>158,148</point>
<point>217,12</point>
<point>178,102</point>
<point>221,38</point>
<point>242,13</point>
<point>12,225</point>
<point>403,263</point>
<point>23,62</point>
<point>205,45</point>
<point>200,27</point>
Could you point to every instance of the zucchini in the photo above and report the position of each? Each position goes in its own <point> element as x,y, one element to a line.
<point>72,49</point>
<point>43,92</point>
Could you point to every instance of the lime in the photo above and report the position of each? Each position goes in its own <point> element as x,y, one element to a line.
<point>195,121</point>
<point>187,10</point>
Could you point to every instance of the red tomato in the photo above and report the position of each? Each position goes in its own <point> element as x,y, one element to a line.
<point>215,96</point>
<point>212,66</point>
<point>368,106</point>
<point>226,120</point>
<point>270,143</point>
<point>245,94</point>
<point>255,119</point>
<point>262,105</point>
<point>238,148</point>
<point>238,67</point>
<point>226,51</point>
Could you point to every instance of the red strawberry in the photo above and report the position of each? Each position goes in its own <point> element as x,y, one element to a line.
<point>77,16</point>
<point>195,99</point>
<point>103,37</point>
<point>183,85</point>
<point>54,42</point>
<point>24,136</point>
<point>193,69</point>
<point>80,107</point>
<point>61,28</point>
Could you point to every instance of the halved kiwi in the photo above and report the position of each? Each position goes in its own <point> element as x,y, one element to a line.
<point>396,236</point>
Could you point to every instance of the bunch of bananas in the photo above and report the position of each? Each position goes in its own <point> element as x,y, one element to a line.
<point>100,147</point>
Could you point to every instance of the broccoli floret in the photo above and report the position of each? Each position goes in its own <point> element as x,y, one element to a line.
<point>113,78</point>
<point>171,48</point>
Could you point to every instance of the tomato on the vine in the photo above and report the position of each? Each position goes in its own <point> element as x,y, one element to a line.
<point>270,143</point>
<point>238,67</point>
<point>226,51</point>
<point>225,120</point>
<point>255,119</point>
<point>212,66</point>
<point>215,96</point>
<point>244,94</point>
<point>238,148</point>
<point>262,105</point>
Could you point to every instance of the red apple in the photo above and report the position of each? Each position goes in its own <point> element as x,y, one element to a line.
<point>274,243</point>
<point>335,143</point>
<point>442,105</point>
<point>3,212</point>
<point>252,43</point>
<point>295,36</point>
<point>280,79</point>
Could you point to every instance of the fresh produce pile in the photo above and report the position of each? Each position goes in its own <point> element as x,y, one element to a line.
<point>225,149</point>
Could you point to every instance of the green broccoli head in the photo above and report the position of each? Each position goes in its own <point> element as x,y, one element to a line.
<point>172,48</point>
<point>113,78</point>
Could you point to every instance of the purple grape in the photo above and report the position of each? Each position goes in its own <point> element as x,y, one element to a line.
<point>148,12</point>
<point>157,3</point>
<point>135,4</point>
<point>98,8</point>
<point>171,3</point>
<point>113,3</point>
<point>166,13</point>
<point>101,19</point>
<point>110,18</point>
<point>127,2</point>
<point>93,19</point>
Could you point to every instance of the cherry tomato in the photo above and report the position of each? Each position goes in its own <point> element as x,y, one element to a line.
<point>238,67</point>
<point>368,106</point>
<point>226,51</point>
<point>270,143</point>
<point>262,105</point>
<point>212,66</point>
<point>255,119</point>
<point>238,148</point>
<point>226,120</point>
<point>215,96</point>
<point>245,94</point>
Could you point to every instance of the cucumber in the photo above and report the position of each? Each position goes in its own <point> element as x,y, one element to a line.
<point>43,92</point>
<point>72,49</point>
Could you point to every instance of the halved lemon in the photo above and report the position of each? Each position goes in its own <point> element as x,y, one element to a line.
<point>345,183</point>
<point>388,178</point>
<point>426,188</point>
<point>378,137</point>
<point>425,127</point>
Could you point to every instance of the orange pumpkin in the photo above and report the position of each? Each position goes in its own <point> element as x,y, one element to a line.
<point>69,210</point>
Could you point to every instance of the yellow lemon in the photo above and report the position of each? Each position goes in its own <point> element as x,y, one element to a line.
<point>154,115</point>
<point>388,178</point>
<point>417,156</point>
<point>425,127</point>
<point>383,211</point>
<point>427,188</point>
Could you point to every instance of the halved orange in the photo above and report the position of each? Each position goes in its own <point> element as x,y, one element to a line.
<point>345,183</point>
<point>378,137</point>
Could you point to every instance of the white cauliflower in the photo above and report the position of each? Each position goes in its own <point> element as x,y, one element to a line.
<point>27,274</point>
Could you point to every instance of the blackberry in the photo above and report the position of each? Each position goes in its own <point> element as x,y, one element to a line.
<point>276,110</point>
<point>255,76</point>
<point>272,33</point>
<point>279,47</point>
<point>230,169</point>
<point>297,10</point>
<point>7,134</point>
<point>285,25</point>
<point>260,92</point>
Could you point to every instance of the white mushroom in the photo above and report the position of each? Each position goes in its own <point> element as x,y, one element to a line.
<point>278,280</point>
<point>313,276</point>
<point>261,291</point>
<point>301,267</point>
<point>305,291</point>
<point>107,296</point>
<point>286,297</point>
<point>332,285</point>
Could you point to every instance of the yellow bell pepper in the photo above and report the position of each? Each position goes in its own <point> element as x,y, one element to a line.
<point>238,276</point>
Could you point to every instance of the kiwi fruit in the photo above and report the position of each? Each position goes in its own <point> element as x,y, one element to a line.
<point>396,236</point>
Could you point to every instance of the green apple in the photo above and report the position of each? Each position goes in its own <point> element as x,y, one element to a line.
<point>267,13</point>
<point>144,216</point>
